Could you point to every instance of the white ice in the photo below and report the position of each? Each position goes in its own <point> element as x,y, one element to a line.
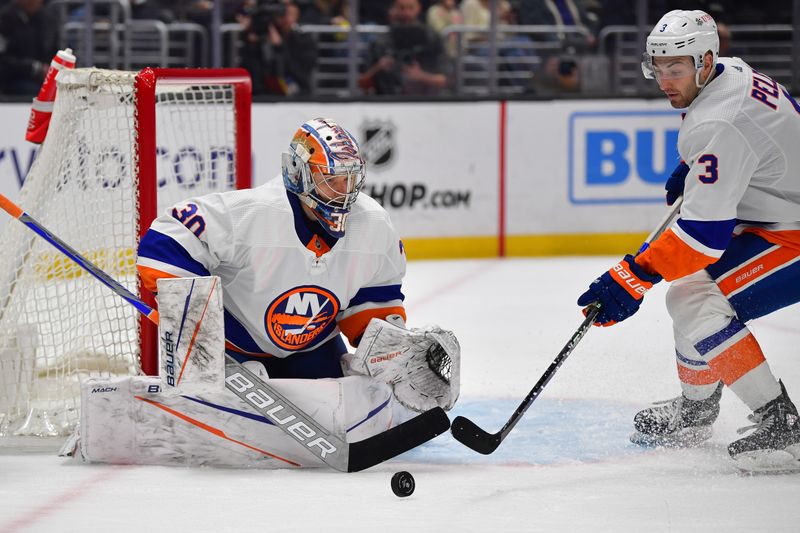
<point>566,467</point>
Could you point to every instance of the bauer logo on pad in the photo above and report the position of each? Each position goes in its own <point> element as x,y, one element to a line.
<point>301,317</point>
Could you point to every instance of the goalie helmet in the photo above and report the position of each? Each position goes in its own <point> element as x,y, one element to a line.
<point>324,168</point>
<point>682,33</point>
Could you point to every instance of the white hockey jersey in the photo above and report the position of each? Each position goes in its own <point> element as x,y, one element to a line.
<point>739,138</point>
<point>285,289</point>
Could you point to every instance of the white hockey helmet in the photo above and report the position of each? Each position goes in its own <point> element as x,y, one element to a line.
<point>682,33</point>
<point>323,148</point>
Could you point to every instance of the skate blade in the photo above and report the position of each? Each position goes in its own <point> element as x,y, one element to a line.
<point>685,438</point>
<point>767,461</point>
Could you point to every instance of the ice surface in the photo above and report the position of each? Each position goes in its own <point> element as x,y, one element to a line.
<point>566,467</point>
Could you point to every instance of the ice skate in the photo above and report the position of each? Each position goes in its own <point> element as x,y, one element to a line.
<point>774,445</point>
<point>677,423</point>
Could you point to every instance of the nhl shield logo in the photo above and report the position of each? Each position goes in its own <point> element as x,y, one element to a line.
<point>377,146</point>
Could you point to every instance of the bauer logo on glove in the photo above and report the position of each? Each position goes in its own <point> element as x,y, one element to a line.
<point>619,291</point>
<point>629,282</point>
<point>377,359</point>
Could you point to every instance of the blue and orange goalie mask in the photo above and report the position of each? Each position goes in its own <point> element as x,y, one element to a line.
<point>324,168</point>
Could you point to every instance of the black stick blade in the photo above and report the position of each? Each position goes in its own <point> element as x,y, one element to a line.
<point>467,433</point>
<point>399,439</point>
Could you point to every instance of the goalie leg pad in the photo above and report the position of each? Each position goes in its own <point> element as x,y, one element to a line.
<point>191,335</point>
<point>371,407</point>
<point>421,364</point>
<point>127,420</point>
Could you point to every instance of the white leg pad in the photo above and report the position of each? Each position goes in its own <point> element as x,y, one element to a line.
<point>124,420</point>
<point>371,407</point>
<point>191,333</point>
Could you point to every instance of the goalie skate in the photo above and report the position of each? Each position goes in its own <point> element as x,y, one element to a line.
<point>774,445</point>
<point>677,423</point>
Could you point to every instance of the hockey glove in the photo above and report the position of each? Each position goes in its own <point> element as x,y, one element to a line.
<point>619,291</point>
<point>675,183</point>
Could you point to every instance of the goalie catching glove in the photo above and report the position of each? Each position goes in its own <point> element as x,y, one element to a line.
<point>422,365</point>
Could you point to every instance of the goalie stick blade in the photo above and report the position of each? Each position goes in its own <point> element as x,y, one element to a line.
<point>399,439</point>
<point>467,433</point>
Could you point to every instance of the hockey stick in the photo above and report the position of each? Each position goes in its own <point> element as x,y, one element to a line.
<point>335,452</point>
<point>469,434</point>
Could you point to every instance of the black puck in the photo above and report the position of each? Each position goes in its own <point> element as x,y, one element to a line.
<point>403,484</point>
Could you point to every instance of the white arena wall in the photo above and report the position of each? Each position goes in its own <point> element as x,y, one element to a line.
<point>476,179</point>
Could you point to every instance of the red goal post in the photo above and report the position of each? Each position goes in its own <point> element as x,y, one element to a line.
<point>147,82</point>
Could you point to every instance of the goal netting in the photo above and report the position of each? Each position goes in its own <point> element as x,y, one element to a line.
<point>121,148</point>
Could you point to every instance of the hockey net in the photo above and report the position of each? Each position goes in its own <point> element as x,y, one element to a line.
<point>121,147</point>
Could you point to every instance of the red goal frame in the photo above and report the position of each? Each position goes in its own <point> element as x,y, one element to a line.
<point>145,170</point>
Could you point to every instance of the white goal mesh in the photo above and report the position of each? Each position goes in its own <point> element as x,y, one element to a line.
<point>58,324</point>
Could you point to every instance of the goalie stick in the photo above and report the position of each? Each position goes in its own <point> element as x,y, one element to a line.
<point>333,451</point>
<point>471,435</point>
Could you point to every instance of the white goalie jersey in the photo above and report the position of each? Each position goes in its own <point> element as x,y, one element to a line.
<point>286,289</point>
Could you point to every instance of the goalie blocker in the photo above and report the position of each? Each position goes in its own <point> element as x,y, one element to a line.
<point>187,416</point>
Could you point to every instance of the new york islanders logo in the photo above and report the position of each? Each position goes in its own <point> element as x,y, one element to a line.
<point>301,316</point>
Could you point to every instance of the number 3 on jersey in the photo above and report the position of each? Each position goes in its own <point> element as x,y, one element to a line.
<point>710,161</point>
<point>188,217</point>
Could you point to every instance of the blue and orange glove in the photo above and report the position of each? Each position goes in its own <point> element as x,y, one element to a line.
<point>619,291</point>
<point>676,182</point>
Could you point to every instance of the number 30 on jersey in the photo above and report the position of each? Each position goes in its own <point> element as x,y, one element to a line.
<point>189,217</point>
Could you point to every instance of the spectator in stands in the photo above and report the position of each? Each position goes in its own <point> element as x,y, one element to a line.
<point>442,14</point>
<point>27,44</point>
<point>328,13</point>
<point>478,12</point>
<point>410,60</point>
<point>559,13</point>
<point>515,49</point>
<point>560,71</point>
<point>279,56</point>
<point>560,74</point>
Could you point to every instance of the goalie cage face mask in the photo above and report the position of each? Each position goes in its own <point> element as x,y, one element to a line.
<point>324,168</point>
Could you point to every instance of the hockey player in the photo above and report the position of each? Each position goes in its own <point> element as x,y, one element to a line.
<point>734,252</point>
<point>299,260</point>
<point>292,277</point>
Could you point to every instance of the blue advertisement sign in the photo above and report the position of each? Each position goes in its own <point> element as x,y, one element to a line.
<point>621,156</point>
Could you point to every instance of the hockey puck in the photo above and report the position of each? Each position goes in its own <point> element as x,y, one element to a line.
<point>403,484</point>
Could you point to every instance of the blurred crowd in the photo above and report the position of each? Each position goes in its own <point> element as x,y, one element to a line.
<point>414,57</point>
